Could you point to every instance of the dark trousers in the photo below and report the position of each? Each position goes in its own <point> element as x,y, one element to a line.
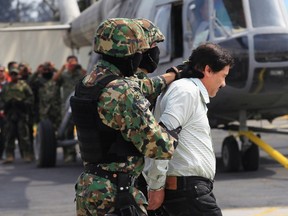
<point>193,196</point>
<point>2,142</point>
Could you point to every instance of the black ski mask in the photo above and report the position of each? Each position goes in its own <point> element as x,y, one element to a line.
<point>47,75</point>
<point>150,59</point>
<point>128,65</point>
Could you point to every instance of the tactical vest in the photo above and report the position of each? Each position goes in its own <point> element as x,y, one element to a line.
<point>98,143</point>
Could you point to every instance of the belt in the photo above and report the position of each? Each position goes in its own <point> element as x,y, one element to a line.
<point>112,176</point>
<point>184,182</point>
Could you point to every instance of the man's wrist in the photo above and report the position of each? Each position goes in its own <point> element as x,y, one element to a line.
<point>157,189</point>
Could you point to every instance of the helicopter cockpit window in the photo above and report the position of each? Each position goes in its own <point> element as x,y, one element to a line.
<point>229,17</point>
<point>286,4</point>
<point>198,18</point>
<point>259,9</point>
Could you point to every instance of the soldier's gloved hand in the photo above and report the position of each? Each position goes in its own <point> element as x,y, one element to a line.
<point>7,106</point>
<point>176,69</point>
<point>21,105</point>
<point>185,71</point>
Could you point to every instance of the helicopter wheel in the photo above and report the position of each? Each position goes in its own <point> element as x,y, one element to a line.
<point>250,158</point>
<point>230,154</point>
<point>45,144</point>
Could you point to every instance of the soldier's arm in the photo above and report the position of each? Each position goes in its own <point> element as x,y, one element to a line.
<point>152,87</point>
<point>29,100</point>
<point>129,113</point>
<point>58,74</point>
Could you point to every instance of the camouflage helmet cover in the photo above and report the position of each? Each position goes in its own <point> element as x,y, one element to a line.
<point>151,31</point>
<point>120,37</point>
<point>14,70</point>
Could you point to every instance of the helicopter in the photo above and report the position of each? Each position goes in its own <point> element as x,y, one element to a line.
<point>256,33</point>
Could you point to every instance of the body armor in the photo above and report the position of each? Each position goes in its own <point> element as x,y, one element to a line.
<point>98,142</point>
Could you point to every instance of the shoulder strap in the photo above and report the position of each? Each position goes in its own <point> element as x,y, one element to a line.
<point>81,90</point>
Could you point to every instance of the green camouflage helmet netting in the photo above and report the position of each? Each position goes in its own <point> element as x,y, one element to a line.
<point>120,37</point>
<point>151,31</point>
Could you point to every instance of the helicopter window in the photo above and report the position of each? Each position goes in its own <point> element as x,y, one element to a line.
<point>162,20</point>
<point>239,73</point>
<point>260,10</point>
<point>286,4</point>
<point>230,14</point>
<point>267,50</point>
<point>228,18</point>
<point>198,17</point>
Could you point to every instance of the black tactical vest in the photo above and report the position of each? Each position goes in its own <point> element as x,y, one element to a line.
<point>98,143</point>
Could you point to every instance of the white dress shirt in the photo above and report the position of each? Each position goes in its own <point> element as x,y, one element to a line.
<point>184,104</point>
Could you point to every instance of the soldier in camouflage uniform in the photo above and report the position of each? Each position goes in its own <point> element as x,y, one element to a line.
<point>18,98</point>
<point>114,124</point>
<point>48,93</point>
<point>67,77</point>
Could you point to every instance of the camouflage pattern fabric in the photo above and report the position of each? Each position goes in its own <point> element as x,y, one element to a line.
<point>50,103</point>
<point>67,84</point>
<point>152,93</point>
<point>123,106</point>
<point>152,32</point>
<point>49,99</point>
<point>113,37</point>
<point>18,98</point>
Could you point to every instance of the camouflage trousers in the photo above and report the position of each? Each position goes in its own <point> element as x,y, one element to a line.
<point>19,130</point>
<point>95,196</point>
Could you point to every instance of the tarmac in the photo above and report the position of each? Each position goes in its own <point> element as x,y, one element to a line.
<point>269,211</point>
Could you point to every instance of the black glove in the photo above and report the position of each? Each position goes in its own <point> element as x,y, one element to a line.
<point>185,71</point>
<point>177,68</point>
<point>22,106</point>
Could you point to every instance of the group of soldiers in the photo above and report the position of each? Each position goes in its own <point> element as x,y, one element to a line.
<point>26,98</point>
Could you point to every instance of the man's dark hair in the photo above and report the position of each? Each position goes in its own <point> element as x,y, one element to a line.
<point>10,64</point>
<point>71,57</point>
<point>212,55</point>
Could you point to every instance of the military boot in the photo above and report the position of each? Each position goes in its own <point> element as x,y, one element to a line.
<point>27,158</point>
<point>9,159</point>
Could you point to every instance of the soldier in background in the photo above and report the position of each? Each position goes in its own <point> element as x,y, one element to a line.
<point>25,74</point>
<point>48,94</point>
<point>67,77</point>
<point>10,65</point>
<point>18,98</point>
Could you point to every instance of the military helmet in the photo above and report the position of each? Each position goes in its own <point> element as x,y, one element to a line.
<point>120,37</point>
<point>14,69</point>
<point>151,31</point>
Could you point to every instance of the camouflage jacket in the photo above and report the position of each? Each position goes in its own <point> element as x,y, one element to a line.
<point>68,81</point>
<point>152,96</point>
<point>48,97</point>
<point>17,97</point>
<point>123,106</point>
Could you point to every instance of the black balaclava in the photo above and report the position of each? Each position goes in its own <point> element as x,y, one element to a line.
<point>47,75</point>
<point>150,59</point>
<point>127,65</point>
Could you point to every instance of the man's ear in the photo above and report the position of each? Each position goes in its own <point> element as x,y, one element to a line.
<point>207,70</point>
